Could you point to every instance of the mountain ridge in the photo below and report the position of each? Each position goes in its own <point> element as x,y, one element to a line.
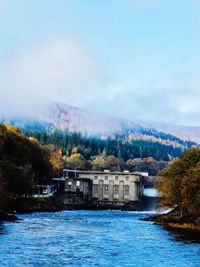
<point>73,119</point>
<point>66,117</point>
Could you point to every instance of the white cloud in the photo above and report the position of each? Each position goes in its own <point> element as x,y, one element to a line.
<point>61,70</point>
<point>167,98</point>
<point>54,70</point>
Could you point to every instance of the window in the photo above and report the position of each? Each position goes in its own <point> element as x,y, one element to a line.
<point>116,189</point>
<point>106,189</point>
<point>95,188</point>
<point>96,177</point>
<point>116,178</point>
<point>126,190</point>
<point>106,177</point>
<point>69,185</point>
<point>78,183</point>
<point>127,178</point>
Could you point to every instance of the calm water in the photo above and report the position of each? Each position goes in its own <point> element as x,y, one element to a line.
<point>93,238</point>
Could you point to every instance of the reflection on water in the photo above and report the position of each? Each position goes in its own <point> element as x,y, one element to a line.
<point>184,235</point>
<point>94,238</point>
<point>1,228</point>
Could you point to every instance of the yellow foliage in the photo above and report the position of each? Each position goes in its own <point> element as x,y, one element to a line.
<point>180,182</point>
<point>75,150</point>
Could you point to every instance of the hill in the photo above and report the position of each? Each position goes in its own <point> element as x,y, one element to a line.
<point>69,119</point>
<point>66,117</point>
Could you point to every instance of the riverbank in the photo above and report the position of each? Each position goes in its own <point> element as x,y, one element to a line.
<point>29,205</point>
<point>4,216</point>
<point>39,204</point>
<point>173,219</point>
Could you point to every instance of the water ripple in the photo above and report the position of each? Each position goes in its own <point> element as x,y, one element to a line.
<point>93,238</point>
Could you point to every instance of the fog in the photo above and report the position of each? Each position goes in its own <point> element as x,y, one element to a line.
<point>61,70</point>
<point>51,71</point>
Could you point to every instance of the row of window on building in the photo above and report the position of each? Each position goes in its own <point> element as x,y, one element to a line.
<point>106,189</point>
<point>106,178</point>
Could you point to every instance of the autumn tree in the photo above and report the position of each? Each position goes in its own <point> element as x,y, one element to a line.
<point>179,182</point>
<point>114,164</point>
<point>191,190</point>
<point>99,163</point>
<point>76,161</point>
<point>137,165</point>
<point>24,162</point>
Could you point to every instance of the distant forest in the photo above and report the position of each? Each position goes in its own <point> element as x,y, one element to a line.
<point>117,153</point>
<point>119,145</point>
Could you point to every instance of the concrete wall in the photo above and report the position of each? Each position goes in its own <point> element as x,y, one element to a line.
<point>79,185</point>
<point>114,186</point>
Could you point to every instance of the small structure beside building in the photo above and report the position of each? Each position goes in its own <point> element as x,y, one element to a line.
<point>100,189</point>
<point>44,191</point>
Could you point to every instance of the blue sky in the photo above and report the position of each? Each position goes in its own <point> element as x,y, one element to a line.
<point>132,59</point>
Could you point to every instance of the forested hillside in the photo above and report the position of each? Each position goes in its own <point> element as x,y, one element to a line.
<point>60,116</point>
<point>66,117</point>
<point>149,143</point>
<point>146,151</point>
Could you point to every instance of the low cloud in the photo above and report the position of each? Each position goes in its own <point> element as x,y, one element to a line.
<point>54,70</point>
<point>60,70</point>
<point>172,99</point>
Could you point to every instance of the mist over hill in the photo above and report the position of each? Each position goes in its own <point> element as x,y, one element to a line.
<point>73,119</point>
<point>66,117</point>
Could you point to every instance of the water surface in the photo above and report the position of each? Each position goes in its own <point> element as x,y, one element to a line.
<point>93,238</point>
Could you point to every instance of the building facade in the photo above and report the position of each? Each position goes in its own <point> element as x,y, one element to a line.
<point>106,186</point>
<point>81,186</point>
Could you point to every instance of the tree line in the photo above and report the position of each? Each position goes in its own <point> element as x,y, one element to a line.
<point>116,153</point>
<point>118,146</point>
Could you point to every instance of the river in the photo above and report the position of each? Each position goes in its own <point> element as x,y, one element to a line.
<point>93,238</point>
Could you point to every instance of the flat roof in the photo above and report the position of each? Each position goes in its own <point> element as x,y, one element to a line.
<point>104,172</point>
<point>59,179</point>
<point>62,179</point>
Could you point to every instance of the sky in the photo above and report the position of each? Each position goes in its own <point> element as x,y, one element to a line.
<point>135,59</point>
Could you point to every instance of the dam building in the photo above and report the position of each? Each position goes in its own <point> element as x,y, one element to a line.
<point>102,189</point>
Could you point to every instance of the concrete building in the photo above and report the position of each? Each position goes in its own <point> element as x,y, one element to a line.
<point>81,186</point>
<point>72,190</point>
<point>105,188</point>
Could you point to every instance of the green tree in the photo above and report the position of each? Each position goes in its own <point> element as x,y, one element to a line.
<point>99,163</point>
<point>76,161</point>
<point>137,165</point>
